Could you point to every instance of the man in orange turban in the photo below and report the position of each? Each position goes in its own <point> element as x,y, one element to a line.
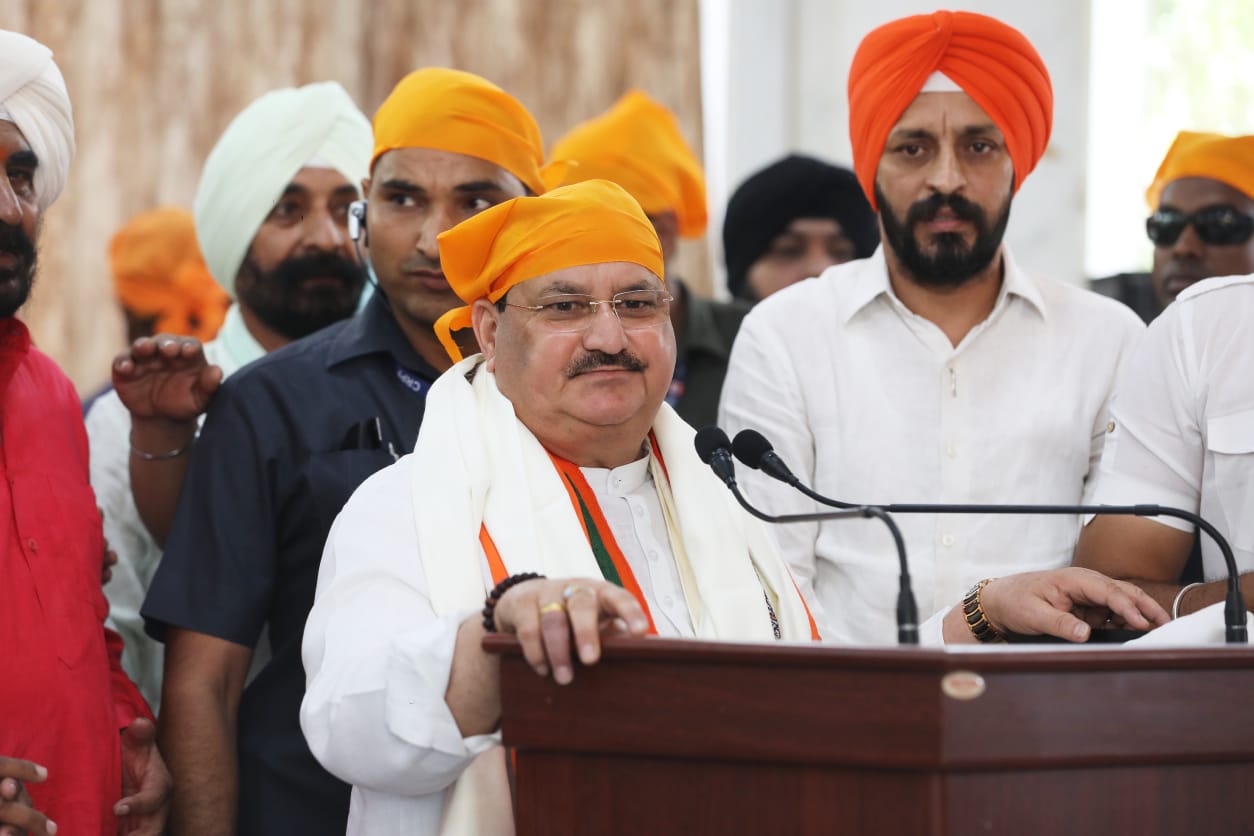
<point>551,452</point>
<point>161,278</point>
<point>638,145</point>
<point>288,439</point>
<point>937,368</point>
<point>550,478</point>
<point>1202,200</point>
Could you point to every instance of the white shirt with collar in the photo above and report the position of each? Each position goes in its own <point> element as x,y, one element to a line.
<point>1182,429</point>
<point>868,402</point>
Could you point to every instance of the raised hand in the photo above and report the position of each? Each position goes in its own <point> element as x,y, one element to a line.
<point>165,377</point>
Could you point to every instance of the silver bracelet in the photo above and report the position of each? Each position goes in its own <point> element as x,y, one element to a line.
<point>1175,605</point>
<point>159,457</point>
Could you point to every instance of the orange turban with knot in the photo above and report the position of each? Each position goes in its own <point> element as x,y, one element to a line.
<point>158,271</point>
<point>1228,159</point>
<point>991,62</point>
<point>638,145</point>
<point>593,222</point>
<point>459,112</point>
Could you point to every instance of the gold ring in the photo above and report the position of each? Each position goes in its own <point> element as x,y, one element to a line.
<point>552,606</point>
<point>569,592</point>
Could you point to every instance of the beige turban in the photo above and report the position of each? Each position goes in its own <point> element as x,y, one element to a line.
<point>258,155</point>
<point>33,97</point>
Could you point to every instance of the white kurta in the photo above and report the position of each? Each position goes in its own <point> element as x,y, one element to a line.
<point>108,433</point>
<point>870,403</point>
<point>403,567</point>
<point>1183,418</point>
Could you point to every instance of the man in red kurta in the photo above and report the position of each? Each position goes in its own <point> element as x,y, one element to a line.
<point>75,735</point>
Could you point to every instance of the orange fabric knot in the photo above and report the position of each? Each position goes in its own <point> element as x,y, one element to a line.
<point>158,271</point>
<point>1228,159</point>
<point>459,112</point>
<point>593,222</point>
<point>638,145</point>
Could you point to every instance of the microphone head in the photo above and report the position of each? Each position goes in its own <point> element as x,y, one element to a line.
<point>750,446</point>
<point>710,440</point>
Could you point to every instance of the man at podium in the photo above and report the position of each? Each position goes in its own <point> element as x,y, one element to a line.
<point>550,476</point>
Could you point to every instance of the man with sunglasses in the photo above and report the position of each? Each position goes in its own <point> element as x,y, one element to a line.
<point>1203,221</point>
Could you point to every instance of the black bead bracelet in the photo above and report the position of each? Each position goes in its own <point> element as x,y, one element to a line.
<point>489,603</point>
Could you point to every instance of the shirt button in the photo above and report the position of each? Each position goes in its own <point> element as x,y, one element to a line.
<point>668,602</point>
<point>653,556</point>
<point>639,511</point>
<point>951,451</point>
<point>948,540</point>
<point>32,544</point>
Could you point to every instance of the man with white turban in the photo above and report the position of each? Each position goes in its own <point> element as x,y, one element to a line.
<point>271,216</point>
<point>284,445</point>
<point>937,370</point>
<point>65,697</point>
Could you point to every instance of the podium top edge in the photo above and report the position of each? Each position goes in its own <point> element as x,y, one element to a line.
<point>920,659</point>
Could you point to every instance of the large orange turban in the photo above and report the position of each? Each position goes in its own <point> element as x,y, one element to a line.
<point>593,222</point>
<point>158,271</point>
<point>638,145</point>
<point>1228,159</point>
<point>991,62</point>
<point>459,112</point>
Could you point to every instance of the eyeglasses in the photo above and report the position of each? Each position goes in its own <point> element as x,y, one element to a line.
<point>635,309</point>
<point>1220,225</point>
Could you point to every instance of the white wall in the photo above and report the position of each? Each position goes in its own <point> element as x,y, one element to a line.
<point>774,75</point>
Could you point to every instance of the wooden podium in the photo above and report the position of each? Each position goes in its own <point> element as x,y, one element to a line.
<point>677,737</point>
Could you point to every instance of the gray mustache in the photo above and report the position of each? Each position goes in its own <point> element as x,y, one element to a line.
<point>594,360</point>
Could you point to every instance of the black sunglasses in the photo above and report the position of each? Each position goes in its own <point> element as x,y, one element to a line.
<point>1221,225</point>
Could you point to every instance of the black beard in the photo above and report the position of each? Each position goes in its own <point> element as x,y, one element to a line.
<point>953,263</point>
<point>279,299</point>
<point>16,281</point>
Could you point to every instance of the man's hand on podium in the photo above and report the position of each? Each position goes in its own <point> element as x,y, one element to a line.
<point>548,616</point>
<point>1066,603</point>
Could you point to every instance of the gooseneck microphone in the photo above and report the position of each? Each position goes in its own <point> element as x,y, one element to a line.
<point>753,449</point>
<point>715,449</point>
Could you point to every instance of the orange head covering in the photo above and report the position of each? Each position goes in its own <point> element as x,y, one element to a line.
<point>636,144</point>
<point>1228,159</point>
<point>450,110</point>
<point>993,64</point>
<point>593,222</point>
<point>158,271</point>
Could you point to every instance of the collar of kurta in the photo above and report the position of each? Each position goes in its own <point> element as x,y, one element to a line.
<point>865,280</point>
<point>374,331</point>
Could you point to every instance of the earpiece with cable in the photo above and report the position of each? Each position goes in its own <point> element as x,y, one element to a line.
<point>357,220</point>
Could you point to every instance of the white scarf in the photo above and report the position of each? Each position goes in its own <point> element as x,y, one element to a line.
<point>476,464</point>
<point>492,471</point>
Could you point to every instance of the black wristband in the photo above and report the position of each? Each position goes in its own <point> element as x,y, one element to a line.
<point>489,603</point>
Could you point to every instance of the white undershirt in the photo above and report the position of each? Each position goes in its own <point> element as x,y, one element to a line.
<point>631,506</point>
